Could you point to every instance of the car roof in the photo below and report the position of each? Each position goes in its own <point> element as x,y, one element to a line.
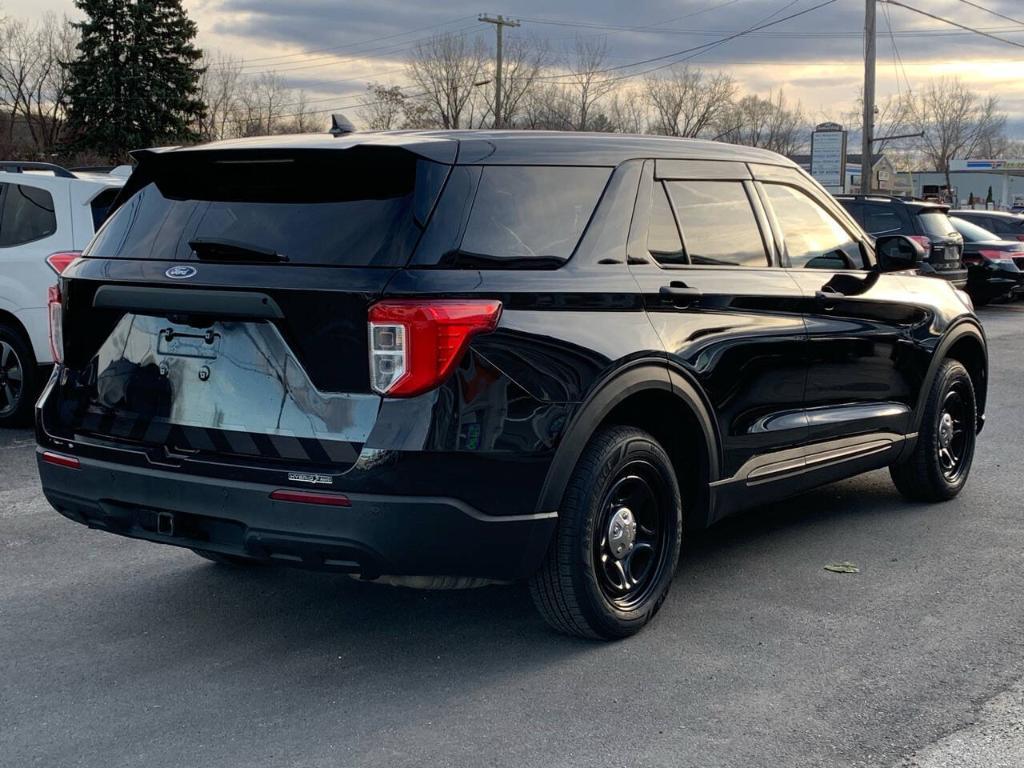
<point>922,204</point>
<point>1004,214</point>
<point>511,147</point>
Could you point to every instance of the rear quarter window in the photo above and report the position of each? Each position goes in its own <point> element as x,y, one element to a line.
<point>27,214</point>
<point>936,224</point>
<point>530,216</point>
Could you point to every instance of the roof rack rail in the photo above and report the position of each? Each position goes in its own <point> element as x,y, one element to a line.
<point>92,168</point>
<point>20,166</point>
<point>877,195</point>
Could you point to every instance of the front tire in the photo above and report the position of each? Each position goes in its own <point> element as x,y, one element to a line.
<point>17,378</point>
<point>938,468</point>
<point>616,548</point>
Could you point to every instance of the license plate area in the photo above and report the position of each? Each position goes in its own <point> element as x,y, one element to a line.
<point>175,343</point>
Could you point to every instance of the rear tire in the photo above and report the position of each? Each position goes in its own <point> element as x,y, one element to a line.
<point>235,561</point>
<point>941,461</point>
<point>18,378</point>
<point>616,547</point>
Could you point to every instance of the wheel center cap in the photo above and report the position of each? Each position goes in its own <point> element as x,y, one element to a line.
<point>621,533</point>
<point>946,430</point>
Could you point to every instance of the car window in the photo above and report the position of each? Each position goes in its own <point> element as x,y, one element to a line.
<point>342,209</point>
<point>936,223</point>
<point>27,215</point>
<point>536,213</point>
<point>972,233</point>
<point>663,239</point>
<point>718,223</point>
<point>814,239</point>
<point>881,219</point>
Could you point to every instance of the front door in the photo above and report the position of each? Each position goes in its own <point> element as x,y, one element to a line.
<point>860,378</point>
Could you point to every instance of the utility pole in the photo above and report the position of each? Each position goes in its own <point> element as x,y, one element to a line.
<point>868,132</point>
<point>499,22</point>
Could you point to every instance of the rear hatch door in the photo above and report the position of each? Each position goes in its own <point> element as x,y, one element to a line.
<point>220,313</point>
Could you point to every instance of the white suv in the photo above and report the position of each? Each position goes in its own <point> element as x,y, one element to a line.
<point>47,215</point>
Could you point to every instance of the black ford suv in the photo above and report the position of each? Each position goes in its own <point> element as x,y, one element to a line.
<point>923,221</point>
<point>501,355</point>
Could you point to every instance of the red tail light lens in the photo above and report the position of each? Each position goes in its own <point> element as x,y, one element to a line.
<point>311,497</point>
<point>1020,237</point>
<point>994,255</point>
<point>59,261</point>
<point>415,344</point>
<point>56,324</point>
<point>60,460</point>
<point>923,240</point>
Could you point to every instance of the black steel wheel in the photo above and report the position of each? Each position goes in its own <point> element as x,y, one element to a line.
<point>17,379</point>
<point>938,467</point>
<point>615,552</point>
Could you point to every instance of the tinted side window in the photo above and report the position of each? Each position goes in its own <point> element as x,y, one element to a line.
<point>813,238</point>
<point>718,223</point>
<point>531,212</point>
<point>881,219</point>
<point>100,205</point>
<point>663,240</point>
<point>936,223</point>
<point>27,215</point>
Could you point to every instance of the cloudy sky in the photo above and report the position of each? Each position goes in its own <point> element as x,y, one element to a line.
<point>332,48</point>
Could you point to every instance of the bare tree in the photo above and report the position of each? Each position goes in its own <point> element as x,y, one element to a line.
<point>523,61</point>
<point>628,111</point>
<point>219,89</point>
<point>956,121</point>
<point>587,83</point>
<point>445,69</point>
<point>33,79</point>
<point>769,123</point>
<point>546,106</point>
<point>689,102</point>
<point>384,107</point>
<point>261,103</point>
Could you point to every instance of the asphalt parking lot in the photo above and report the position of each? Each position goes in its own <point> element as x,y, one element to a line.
<point>122,653</point>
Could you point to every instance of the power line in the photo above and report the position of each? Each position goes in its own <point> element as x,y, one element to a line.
<point>680,56</point>
<point>953,23</point>
<point>994,13</point>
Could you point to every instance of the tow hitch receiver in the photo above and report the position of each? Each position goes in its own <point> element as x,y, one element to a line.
<point>165,523</point>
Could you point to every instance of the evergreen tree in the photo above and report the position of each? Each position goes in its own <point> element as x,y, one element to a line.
<point>135,82</point>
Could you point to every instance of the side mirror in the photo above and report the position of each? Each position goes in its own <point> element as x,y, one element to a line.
<point>896,253</point>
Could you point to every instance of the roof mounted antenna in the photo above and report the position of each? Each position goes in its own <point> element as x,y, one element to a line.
<point>341,125</point>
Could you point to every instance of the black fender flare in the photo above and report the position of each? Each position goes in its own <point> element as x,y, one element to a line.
<point>639,377</point>
<point>962,328</point>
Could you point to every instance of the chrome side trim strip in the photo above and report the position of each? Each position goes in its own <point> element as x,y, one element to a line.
<point>773,466</point>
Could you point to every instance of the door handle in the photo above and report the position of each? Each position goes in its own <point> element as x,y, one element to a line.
<point>679,293</point>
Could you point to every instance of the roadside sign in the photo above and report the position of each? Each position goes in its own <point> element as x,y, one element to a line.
<point>828,156</point>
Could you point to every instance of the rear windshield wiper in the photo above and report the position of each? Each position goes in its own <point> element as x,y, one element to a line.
<point>232,250</point>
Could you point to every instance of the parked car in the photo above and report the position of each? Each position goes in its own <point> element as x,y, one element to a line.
<point>496,355</point>
<point>991,263</point>
<point>925,222</point>
<point>1007,226</point>
<point>47,215</point>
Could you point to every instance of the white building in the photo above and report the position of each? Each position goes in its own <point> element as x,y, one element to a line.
<point>1005,178</point>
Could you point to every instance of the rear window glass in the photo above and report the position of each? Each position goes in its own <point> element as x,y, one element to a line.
<point>880,220</point>
<point>972,233</point>
<point>27,214</point>
<point>364,207</point>
<point>718,223</point>
<point>530,215</point>
<point>936,223</point>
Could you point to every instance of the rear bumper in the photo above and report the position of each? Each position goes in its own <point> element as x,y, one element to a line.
<point>377,534</point>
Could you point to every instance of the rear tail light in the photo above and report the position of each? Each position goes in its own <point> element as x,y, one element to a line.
<point>59,261</point>
<point>56,324</point>
<point>923,240</point>
<point>1020,237</point>
<point>994,255</point>
<point>415,344</point>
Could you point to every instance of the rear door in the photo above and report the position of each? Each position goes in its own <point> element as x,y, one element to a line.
<point>220,314</point>
<point>858,320</point>
<point>727,317</point>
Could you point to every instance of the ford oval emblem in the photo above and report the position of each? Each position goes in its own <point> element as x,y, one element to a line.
<point>181,272</point>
